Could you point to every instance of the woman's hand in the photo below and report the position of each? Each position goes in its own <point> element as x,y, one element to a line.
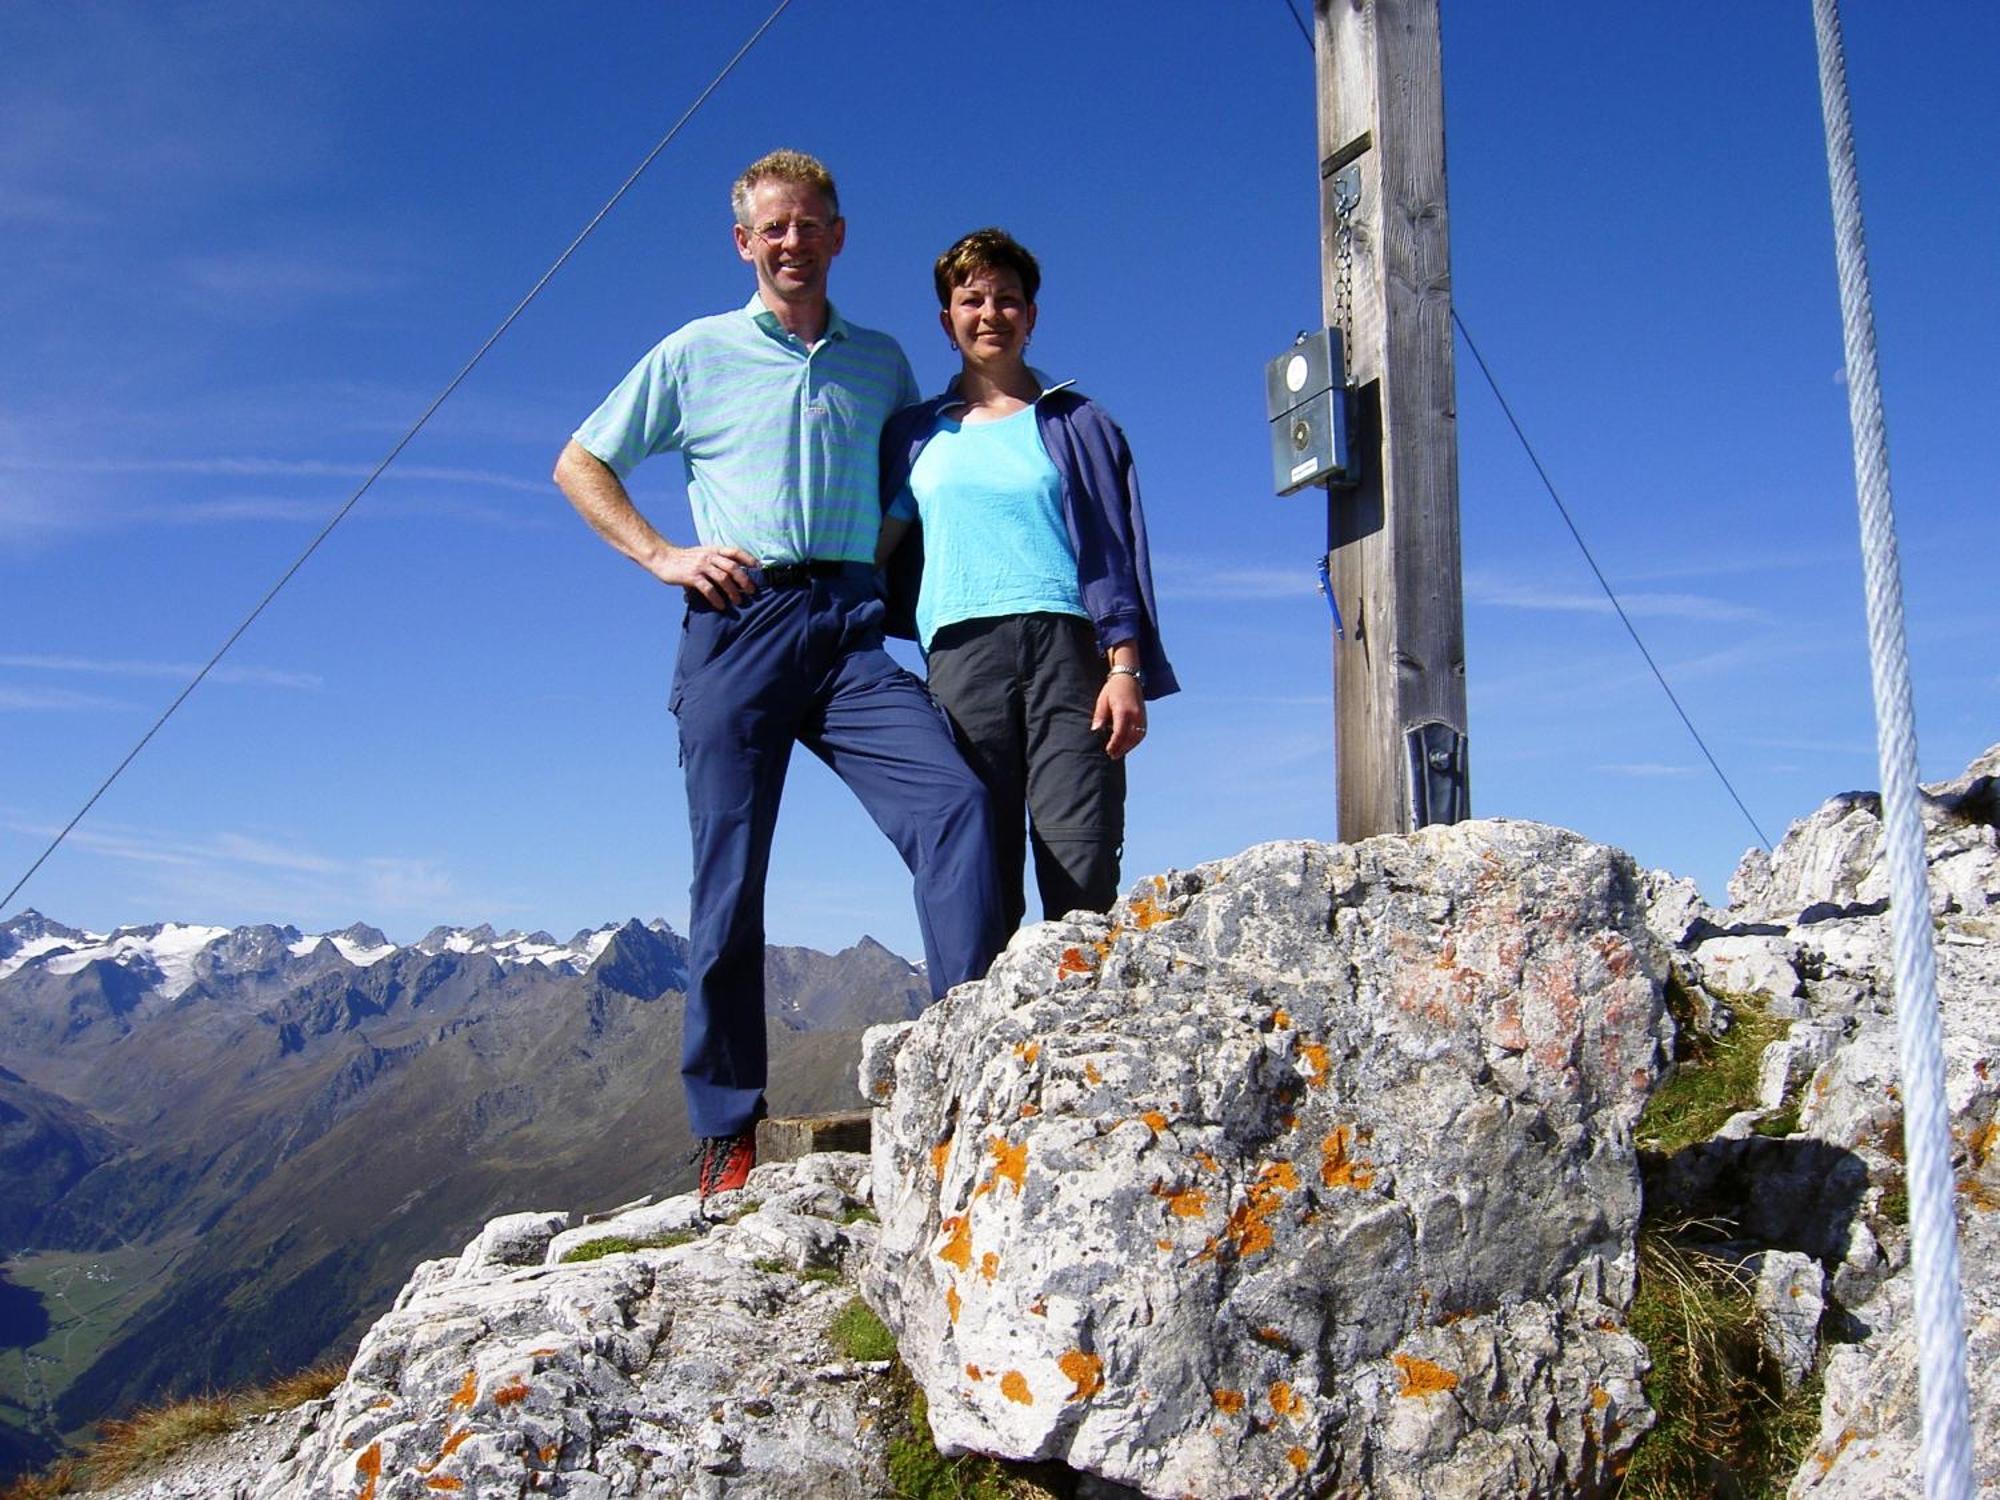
<point>1121,707</point>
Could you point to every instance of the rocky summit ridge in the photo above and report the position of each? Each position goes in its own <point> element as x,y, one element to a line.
<point>1314,1171</point>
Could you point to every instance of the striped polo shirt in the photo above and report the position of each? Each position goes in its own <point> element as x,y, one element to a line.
<point>779,438</point>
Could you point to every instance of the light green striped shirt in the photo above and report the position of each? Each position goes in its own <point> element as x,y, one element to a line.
<point>779,438</point>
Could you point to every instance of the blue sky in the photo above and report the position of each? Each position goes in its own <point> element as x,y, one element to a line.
<point>242,245</point>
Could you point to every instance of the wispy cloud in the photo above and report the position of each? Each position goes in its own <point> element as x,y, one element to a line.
<point>230,467</point>
<point>1189,581</point>
<point>98,666</point>
<point>1646,769</point>
<point>234,876</point>
<point>49,700</point>
<point>1486,589</point>
<point>261,283</point>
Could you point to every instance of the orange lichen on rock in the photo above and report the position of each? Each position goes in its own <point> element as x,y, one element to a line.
<point>1249,1226</point>
<point>1028,1052</point>
<point>1298,1458</point>
<point>1010,1163</point>
<point>1163,1244</point>
<point>1154,1120</point>
<point>951,1302</point>
<point>1339,1168</point>
<point>957,1249</point>
<point>1281,1175</point>
<point>989,1265</point>
<point>1285,1401</point>
<point>1183,1203</point>
<point>1228,1400</point>
<point>1319,1067</point>
<point>1148,913</point>
<point>1014,1386</point>
<point>1281,1020</point>
<point>512,1393</point>
<point>467,1392</point>
<point>940,1154</point>
<point>444,1482</point>
<point>369,1467</point>
<point>1599,1398</point>
<point>1091,1075</point>
<point>1086,1373</point>
<point>1421,1377</point>
<point>1206,1161</point>
<point>1072,963</point>
<point>1030,1110</point>
<point>548,1453</point>
<point>973,1372</point>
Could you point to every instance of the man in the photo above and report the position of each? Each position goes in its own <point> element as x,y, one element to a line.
<point>776,410</point>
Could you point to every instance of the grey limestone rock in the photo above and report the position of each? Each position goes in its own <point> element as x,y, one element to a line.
<point>689,1369</point>
<point>1305,1172</point>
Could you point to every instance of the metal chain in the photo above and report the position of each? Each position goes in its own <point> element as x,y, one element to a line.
<point>1346,198</point>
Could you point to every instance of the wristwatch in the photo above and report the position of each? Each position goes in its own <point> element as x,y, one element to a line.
<point>1119,669</point>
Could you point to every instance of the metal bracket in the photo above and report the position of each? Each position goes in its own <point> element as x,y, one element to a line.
<point>1437,782</point>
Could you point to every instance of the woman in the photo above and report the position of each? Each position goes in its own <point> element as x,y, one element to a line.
<point>1016,556</point>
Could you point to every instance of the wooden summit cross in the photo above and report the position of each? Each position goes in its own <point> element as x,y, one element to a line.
<point>1393,540</point>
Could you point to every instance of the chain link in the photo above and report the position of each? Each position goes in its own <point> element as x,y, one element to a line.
<point>1346,198</point>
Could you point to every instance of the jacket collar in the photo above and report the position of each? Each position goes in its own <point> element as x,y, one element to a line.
<point>950,398</point>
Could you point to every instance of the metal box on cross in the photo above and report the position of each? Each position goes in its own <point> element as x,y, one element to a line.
<point>1305,395</point>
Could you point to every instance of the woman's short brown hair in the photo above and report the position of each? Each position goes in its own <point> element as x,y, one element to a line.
<point>986,250</point>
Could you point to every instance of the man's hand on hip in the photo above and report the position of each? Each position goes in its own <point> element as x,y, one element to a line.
<point>719,574</point>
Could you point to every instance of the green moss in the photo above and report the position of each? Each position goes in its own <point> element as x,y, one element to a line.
<point>1714,1077</point>
<point>1784,1120</point>
<point>770,1265</point>
<point>818,1273</point>
<point>917,1471</point>
<point>857,1333</point>
<point>1723,1425</point>
<point>618,1244</point>
<point>1896,1203</point>
<point>859,1215</point>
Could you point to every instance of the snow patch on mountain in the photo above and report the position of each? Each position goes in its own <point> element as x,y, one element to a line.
<point>170,947</point>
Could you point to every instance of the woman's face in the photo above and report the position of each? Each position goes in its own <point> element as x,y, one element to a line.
<point>989,319</point>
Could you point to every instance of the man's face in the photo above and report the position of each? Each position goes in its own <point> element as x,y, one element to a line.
<point>792,239</point>
<point>989,318</point>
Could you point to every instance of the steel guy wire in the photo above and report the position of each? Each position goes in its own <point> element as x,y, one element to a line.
<point>1945,1445</point>
<point>402,443</point>
<point>1602,582</point>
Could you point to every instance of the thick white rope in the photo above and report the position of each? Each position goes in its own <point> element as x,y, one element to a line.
<point>1947,1430</point>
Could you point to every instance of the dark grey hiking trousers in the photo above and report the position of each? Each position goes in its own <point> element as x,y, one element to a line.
<point>1019,691</point>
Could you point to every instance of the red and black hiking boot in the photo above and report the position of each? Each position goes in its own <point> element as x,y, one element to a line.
<point>726,1161</point>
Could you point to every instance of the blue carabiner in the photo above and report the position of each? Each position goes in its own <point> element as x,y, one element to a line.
<point>1326,588</point>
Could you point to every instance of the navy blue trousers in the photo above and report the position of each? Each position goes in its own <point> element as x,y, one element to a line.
<point>805,664</point>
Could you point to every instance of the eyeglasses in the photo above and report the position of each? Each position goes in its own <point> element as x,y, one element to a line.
<point>775,232</point>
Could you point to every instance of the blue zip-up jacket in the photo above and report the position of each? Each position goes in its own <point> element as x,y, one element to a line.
<point>1100,505</point>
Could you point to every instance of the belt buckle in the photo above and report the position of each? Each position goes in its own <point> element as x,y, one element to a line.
<point>786,575</point>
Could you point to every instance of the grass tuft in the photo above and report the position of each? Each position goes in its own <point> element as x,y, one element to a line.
<point>860,1215</point>
<point>917,1471</point>
<point>857,1333</point>
<point>1724,1425</point>
<point>1714,1076</point>
<point>152,1435</point>
<point>619,1244</point>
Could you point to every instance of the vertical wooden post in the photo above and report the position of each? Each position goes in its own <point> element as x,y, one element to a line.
<point>1394,540</point>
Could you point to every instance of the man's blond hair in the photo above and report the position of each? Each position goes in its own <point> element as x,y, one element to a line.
<point>783,166</point>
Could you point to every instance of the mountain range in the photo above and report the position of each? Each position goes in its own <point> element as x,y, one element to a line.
<point>222,1149</point>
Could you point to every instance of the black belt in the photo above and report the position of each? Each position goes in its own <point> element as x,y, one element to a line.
<point>796,575</point>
